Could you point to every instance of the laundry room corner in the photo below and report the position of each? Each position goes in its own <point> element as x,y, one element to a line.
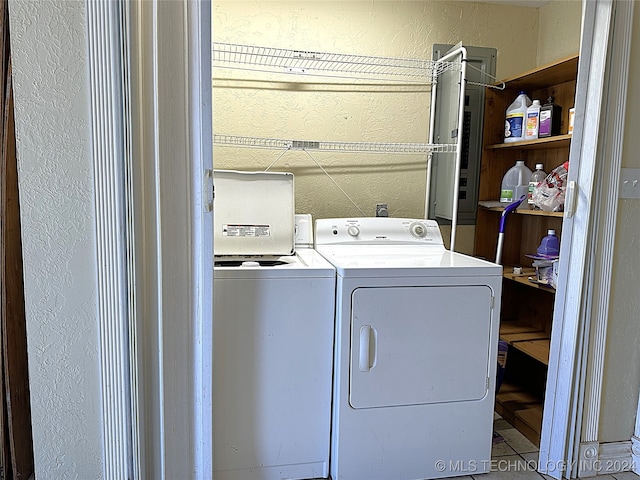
<point>310,108</point>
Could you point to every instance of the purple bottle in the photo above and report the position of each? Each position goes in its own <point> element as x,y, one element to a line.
<point>550,119</point>
<point>550,245</point>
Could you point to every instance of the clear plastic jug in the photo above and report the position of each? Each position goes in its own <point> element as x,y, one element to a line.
<point>515,183</point>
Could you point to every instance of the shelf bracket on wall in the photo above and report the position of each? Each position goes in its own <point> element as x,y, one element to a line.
<point>496,86</point>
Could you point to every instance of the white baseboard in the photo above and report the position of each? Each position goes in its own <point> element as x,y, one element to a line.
<point>608,458</point>
<point>635,454</point>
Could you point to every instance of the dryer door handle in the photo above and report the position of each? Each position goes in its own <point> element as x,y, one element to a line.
<point>367,348</point>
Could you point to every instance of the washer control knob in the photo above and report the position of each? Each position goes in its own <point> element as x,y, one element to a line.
<point>353,231</point>
<point>418,230</point>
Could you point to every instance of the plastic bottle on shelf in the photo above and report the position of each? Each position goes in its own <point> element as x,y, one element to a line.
<point>515,183</point>
<point>514,125</point>
<point>550,119</point>
<point>532,121</point>
<point>550,245</point>
<point>536,177</point>
<point>572,112</point>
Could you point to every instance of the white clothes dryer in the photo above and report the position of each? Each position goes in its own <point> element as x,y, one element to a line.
<point>415,351</point>
<point>272,335</point>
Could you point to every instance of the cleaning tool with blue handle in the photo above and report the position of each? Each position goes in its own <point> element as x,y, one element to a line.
<point>503,219</point>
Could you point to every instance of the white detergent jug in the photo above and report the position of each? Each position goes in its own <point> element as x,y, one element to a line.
<point>515,183</point>
<point>515,123</point>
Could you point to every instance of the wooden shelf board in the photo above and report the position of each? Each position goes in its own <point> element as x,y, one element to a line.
<point>523,278</point>
<point>514,326</point>
<point>489,205</point>
<point>525,281</point>
<point>560,71</point>
<point>511,399</point>
<point>515,331</point>
<point>538,349</point>
<point>525,336</point>
<point>557,141</point>
<point>532,416</point>
<point>529,422</point>
<point>516,395</point>
<point>507,272</point>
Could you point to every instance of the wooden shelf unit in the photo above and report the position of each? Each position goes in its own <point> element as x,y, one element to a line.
<point>527,307</point>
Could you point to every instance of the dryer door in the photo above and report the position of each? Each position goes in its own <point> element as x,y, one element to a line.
<point>419,345</point>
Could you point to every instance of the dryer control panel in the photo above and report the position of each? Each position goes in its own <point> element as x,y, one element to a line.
<point>377,231</point>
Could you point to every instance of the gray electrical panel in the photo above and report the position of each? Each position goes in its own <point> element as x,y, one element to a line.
<point>481,69</point>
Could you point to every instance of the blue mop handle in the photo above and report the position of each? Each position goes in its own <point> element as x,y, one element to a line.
<point>508,209</point>
<point>503,219</point>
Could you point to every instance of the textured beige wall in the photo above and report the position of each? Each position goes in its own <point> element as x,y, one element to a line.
<point>48,47</point>
<point>622,355</point>
<point>262,105</point>
<point>559,34</point>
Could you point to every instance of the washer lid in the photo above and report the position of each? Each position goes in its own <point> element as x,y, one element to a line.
<point>305,263</point>
<point>253,213</point>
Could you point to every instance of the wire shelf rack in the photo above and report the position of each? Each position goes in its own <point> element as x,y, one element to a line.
<point>278,60</point>
<point>355,147</point>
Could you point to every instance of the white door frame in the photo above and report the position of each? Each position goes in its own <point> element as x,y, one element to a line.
<point>172,74</point>
<point>574,385</point>
<point>150,73</point>
<point>594,457</point>
<point>111,142</point>
<point>635,443</point>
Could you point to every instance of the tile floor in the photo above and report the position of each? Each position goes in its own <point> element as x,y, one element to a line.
<point>516,459</point>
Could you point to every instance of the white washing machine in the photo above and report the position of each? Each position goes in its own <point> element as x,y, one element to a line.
<point>272,335</point>
<point>415,351</point>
